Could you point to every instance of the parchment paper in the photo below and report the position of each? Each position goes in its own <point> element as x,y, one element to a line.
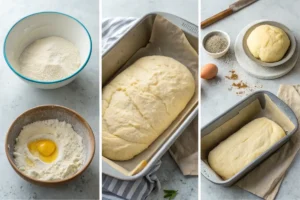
<point>265,180</point>
<point>168,40</point>
<point>185,150</point>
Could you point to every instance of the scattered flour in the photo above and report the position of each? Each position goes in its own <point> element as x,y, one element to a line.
<point>71,154</point>
<point>49,59</point>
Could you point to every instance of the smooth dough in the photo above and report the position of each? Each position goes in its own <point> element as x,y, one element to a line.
<point>244,146</point>
<point>141,102</point>
<point>268,43</point>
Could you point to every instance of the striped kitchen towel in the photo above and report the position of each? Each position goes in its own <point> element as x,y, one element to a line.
<point>113,29</point>
<point>114,189</point>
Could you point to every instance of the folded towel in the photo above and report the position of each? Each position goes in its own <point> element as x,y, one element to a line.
<point>132,190</point>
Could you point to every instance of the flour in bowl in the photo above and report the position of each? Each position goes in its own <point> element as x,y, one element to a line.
<point>49,59</point>
<point>49,150</point>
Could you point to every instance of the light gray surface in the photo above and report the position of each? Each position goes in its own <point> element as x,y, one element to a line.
<point>186,9</point>
<point>81,95</point>
<point>216,98</point>
<point>169,174</point>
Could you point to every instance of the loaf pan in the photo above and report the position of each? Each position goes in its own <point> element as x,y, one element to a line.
<point>258,104</point>
<point>114,59</point>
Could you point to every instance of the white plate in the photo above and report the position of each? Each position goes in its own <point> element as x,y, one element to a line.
<point>256,70</point>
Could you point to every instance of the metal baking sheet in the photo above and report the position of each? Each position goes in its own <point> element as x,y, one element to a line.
<point>259,104</point>
<point>116,57</point>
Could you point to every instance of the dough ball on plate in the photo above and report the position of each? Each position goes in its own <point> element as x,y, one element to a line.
<point>268,43</point>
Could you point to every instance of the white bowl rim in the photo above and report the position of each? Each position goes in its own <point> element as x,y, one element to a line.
<point>221,32</point>
<point>47,82</point>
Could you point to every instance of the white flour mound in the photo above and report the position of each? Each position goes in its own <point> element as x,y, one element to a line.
<point>49,59</point>
<point>71,154</point>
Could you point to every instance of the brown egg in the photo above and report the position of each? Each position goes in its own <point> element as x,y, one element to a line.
<point>209,71</point>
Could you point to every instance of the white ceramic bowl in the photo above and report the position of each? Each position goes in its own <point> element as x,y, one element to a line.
<point>290,52</point>
<point>41,25</point>
<point>222,53</point>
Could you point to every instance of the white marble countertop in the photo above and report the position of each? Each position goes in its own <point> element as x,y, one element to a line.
<point>169,174</point>
<point>81,95</point>
<point>216,94</point>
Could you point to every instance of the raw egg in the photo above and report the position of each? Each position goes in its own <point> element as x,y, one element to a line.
<point>209,71</point>
<point>45,149</point>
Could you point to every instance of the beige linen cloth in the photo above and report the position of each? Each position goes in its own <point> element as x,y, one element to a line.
<point>185,150</point>
<point>265,180</point>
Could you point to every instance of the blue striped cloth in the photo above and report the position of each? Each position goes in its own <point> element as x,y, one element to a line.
<point>132,190</point>
<point>114,189</point>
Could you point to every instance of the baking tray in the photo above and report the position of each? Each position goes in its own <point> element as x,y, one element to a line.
<point>258,104</point>
<point>119,53</point>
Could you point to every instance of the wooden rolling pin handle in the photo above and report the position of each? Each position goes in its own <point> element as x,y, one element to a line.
<point>216,17</point>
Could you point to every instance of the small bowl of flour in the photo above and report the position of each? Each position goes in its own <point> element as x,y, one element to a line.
<point>47,50</point>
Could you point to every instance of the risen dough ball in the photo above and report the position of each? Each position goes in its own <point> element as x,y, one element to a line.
<point>268,43</point>
<point>141,102</point>
<point>244,146</point>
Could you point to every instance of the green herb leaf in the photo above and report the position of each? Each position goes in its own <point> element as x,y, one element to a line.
<point>171,194</point>
<point>169,191</point>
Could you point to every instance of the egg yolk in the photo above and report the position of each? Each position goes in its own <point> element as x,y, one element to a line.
<point>45,149</point>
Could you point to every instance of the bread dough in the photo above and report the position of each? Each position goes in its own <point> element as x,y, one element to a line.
<point>141,102</point>
<point>244,146</point>
<point>268,43</point>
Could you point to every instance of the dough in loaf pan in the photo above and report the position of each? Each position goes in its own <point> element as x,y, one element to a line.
<point>141,102</point>
<point>244,146</point>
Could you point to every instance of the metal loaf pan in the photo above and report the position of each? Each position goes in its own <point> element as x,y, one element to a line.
<point>114,58</point>
<point>258,104</point>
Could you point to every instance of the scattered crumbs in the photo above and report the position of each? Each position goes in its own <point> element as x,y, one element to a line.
<point>229,58</point>
<point>232,76</point>
<point>258,86</point>
<point>240,92</point>
<point>240,85</point>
